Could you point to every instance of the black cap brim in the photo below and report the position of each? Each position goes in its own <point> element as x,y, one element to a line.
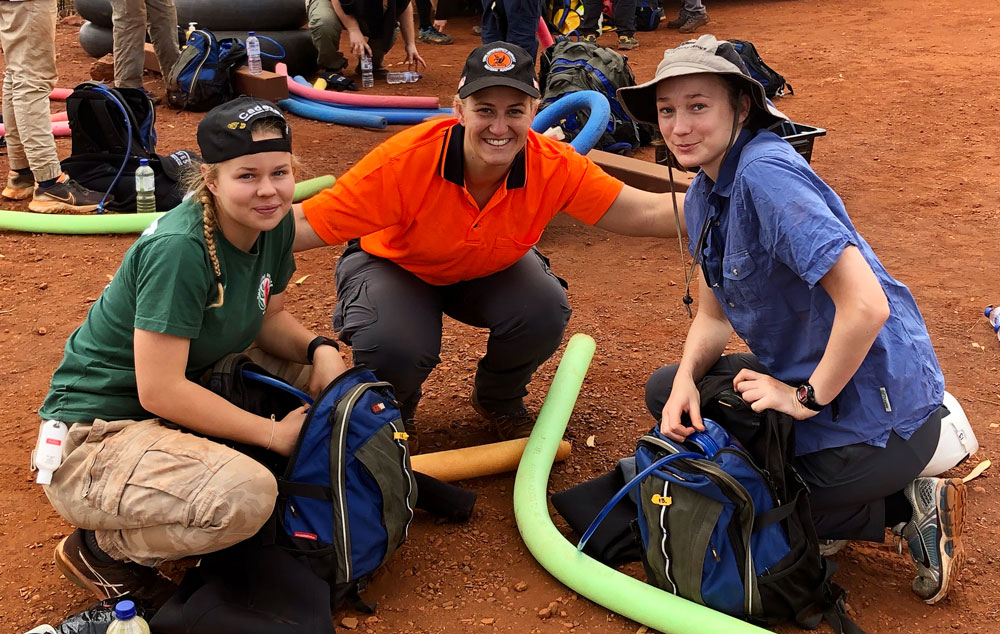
<point>486,82</point>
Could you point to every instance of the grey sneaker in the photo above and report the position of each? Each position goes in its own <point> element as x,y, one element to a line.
<point>693,22</point>
<point>65,195</point>
<point>430,35</point>
<point>627,42</point>
<point>19,186</point>
<point>508,426</point>
<point>590,37</point>
<point>934,534</point>
<point>678,22</point>
<point>107,580</point>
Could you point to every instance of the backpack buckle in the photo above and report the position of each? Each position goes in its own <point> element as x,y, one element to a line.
<point>400,435</point>
<point>661,500</point>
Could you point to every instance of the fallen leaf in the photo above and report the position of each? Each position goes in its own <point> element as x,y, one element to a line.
<point>976,345</point>
<point>299,281</point>
<point>590,441</point>
<point>975,473</point>
<point>994,425</point>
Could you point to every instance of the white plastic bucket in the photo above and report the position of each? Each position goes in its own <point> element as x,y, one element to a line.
<point>957,441</point>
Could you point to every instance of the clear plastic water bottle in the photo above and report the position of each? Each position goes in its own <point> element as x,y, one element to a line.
<point>127,621</point>
<point>145,188</point>
<point>993,314</point>
<point>367,75</point>
<point>253,54</point>
<point>405,77</point>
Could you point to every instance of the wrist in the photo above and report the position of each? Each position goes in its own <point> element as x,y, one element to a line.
<point>805,394</point>
<point>317,344</point>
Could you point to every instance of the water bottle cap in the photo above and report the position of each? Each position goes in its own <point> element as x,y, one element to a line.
<point>143,162</point>
<point>44,477</point>
<point>124,610</point>
<point>251,34</point>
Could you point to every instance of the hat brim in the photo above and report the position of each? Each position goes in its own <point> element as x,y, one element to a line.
<point>640,101</point>
<point>486,82</point>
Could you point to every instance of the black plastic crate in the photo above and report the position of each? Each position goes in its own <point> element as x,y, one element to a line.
<point>800,136</point>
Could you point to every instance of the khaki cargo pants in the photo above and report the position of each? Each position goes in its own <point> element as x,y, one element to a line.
<point>130,19</point>
<point>152,492</point>
<point>27,36</point>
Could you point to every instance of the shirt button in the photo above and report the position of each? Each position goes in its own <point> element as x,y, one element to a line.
<point>716,223</point>
<point>732,305</point>
<point>736,271</point>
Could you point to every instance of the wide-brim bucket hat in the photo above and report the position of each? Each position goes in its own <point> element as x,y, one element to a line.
<point>704,55</point>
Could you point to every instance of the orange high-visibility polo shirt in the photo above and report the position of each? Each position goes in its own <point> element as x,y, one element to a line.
<point>407,202</point>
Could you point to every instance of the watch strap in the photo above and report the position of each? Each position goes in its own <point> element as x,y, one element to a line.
<point>317,342</point>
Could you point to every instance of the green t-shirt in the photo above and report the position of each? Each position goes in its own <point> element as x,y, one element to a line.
<point>165,284</point>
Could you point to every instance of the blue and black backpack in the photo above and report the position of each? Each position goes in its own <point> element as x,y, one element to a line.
<point>346,494</point>
<point>724,518</point>
<point>202,77</point>
<point>773,82</point>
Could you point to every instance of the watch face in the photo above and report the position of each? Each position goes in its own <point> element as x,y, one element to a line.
<point>802,393</point>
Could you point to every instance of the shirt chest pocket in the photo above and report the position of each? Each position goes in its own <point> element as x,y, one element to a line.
<point>742,282</point>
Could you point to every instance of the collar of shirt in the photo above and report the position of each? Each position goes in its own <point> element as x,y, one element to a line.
<point>452,163</point>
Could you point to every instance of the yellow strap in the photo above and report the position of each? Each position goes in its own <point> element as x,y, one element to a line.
<point>659,500</point>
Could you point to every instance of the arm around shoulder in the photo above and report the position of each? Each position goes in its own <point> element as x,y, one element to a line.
<point>640,213</point>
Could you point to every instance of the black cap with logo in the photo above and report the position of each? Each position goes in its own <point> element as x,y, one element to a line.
<point>499,64</point>
<point>225,132</point>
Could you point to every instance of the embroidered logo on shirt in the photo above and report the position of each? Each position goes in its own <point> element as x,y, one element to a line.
<point>264,292</point>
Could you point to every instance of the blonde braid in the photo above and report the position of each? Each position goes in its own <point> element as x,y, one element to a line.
<point>208,228</point>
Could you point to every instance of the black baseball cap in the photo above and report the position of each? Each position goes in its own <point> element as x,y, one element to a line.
<point>499,64</point>
<point>224,133</point>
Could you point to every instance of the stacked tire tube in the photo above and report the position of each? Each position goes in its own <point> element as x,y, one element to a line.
<point>280,20</point>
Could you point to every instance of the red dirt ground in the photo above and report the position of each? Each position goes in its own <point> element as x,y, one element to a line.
<point>912,121</point>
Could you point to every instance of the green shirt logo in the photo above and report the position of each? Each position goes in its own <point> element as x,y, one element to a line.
<point>264,292</point>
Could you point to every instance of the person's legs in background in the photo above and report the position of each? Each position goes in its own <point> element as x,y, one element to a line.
<point>161,16</point>
<point>325,29</point>
<point>625,24</point>
<point>589,29</point>
<point>429,33</point>
<point>691,16</point>
<point>27,37</point>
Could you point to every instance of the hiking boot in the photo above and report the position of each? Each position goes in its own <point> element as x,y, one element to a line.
<point>430,35</point>
<point>590,38</point>
<point>627,42</point>
<point>64,195</point>
<point>508,426</point>
<point>19,186</point>
<point>678,22</point>
<point>693,22</point>
<point>830,547</point>
<point>934,534</point>
<point>107,580</point>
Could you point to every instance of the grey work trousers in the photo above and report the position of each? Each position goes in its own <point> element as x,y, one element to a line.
<point>850,487</point>
<point>392,320</point>
<point>131,18</point>
<point>325,28</point>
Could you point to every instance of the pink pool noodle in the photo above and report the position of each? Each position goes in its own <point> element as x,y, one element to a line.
<point>372,101</point>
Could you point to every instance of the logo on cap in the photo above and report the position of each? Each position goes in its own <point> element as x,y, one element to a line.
<point>498,60</point>
<point>236,125</point>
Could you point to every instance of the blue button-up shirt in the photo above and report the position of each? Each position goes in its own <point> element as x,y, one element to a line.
<point>775,229</point>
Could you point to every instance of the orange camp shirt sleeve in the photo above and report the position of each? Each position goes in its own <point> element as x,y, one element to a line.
<point>364,200</point>
<point>589,190</point>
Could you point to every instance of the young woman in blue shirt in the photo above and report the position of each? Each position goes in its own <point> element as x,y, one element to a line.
<point>835,341</point>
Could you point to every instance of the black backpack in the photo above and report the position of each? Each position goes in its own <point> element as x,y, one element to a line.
<point>111,130</point>
<point>569,67</point>
<point>202,77</point>
<point>774,83</point>
<point>648,14</point>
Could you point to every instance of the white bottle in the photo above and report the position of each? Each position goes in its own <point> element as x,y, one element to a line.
<point>192,27</point>
<point>48,451</point>
<point>126,621</point>
<point>367,75</point>
<point>253,54</point>
<point>993,313</point>
<point>405,77</point>
<point>145,188</point>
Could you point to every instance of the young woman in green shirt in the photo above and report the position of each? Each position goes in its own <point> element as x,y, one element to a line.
<point>205,280</point>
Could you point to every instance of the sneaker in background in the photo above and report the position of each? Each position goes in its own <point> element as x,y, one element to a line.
<point>19,186</point>
<point>934,534</point>
<point>65,195</point>
<point>590,37</point>
<point>627,42</point>
<point>693,22</point>
<point>430,35</point>
<point>679,21</point>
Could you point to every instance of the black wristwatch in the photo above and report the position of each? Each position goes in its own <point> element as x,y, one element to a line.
<point>807,397</point>
<point>317,342</point>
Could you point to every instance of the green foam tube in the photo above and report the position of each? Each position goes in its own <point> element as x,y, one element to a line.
<point>601,584</point>
<point>117,223</point>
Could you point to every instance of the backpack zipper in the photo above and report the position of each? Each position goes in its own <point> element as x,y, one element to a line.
<point>339,487</point>
<point>208,53</point>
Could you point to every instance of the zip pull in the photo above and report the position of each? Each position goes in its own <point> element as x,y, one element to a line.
<point>661,500</point>
<point>715,554</point>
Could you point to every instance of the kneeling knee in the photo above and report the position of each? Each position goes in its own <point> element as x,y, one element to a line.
<point>247,493</point>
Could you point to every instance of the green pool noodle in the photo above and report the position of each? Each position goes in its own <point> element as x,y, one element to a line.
<point>116,223</point>
<point>603,585</point>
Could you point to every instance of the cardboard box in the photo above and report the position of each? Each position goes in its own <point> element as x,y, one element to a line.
<point>266,85</point>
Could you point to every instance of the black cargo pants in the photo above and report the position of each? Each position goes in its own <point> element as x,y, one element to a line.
<point>392,321</point>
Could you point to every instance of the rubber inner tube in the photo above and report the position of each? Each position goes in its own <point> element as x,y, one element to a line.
<point>227,15</point>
